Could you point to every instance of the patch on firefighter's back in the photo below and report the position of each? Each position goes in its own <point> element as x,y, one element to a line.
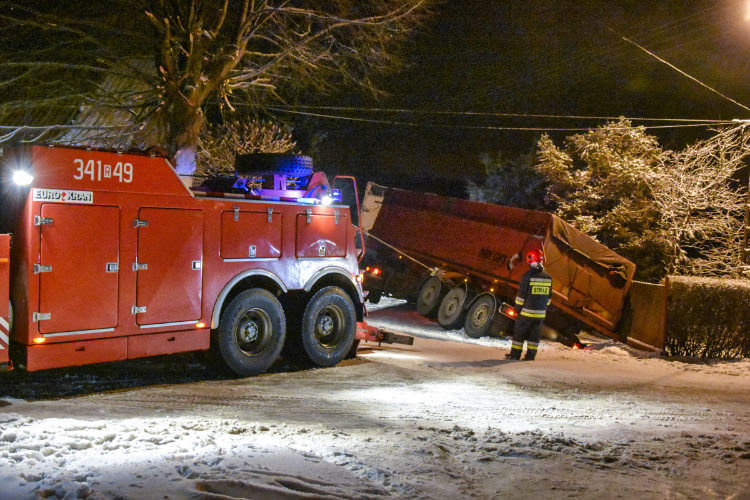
<point>540,290</point>
<point>63,195</point>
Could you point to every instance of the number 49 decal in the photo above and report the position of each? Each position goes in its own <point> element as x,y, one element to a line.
<point>96,171</point>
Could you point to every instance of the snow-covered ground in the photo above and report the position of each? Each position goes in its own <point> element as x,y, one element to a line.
<point>439,419</point>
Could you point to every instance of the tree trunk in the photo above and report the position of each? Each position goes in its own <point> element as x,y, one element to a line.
<point>183,133</point>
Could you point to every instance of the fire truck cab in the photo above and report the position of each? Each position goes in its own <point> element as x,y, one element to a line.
<point>111,257</point>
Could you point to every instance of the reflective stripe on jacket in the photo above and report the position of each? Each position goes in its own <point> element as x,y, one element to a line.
<point>534,294</point>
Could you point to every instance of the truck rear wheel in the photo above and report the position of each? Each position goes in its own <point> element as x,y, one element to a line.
<point>479,317</point>
<point>329,325</point>
<point>428,300</point>
<point>251,332</point>
<point>451,313</point>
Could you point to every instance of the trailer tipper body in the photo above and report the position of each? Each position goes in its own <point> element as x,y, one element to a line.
<point>474,254</point>
<point>113,257</point>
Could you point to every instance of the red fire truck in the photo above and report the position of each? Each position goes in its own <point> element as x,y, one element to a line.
<point>113,257</point>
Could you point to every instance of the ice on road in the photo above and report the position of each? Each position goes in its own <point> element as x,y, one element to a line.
<point>448,417</point>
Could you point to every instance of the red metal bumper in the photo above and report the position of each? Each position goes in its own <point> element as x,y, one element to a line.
<point>4,300</point>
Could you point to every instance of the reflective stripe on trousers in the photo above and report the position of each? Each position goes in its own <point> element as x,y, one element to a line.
<point>533,313</point>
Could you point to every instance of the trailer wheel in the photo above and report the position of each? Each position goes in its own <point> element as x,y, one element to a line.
<point>251,332</point>
<point>451,313</point>
<point>479,317</point>
<point>329,325</point>
<point>428,300</point>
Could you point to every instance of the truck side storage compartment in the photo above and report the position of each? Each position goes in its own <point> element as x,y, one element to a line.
<point>250,235</point>
<point>78,268</point>
<point>170,257</point>
<point>321,235</point>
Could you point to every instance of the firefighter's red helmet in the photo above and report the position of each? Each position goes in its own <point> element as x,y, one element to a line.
<point>535,256</point>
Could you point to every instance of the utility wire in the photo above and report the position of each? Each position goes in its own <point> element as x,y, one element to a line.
<point>540,68</point>
<point>506,115</point>
<point>680,71</point>
<point>479,127</point>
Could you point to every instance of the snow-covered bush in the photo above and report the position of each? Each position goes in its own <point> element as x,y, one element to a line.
<point>708,317</point>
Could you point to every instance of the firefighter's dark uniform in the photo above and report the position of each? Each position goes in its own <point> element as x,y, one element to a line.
<point>532,300</point>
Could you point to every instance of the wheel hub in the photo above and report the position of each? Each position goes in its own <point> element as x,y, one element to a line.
<point>325,325</point>
<point>451,306</point>
<point>480,316</point>
<point>329,327</point>
<point>254,331</point>
<point>249,331</point>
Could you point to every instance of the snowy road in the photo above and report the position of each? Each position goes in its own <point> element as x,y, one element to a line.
<point>440,419</point>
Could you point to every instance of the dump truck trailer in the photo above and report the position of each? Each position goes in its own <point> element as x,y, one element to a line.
<point>111,256</point>
<point>461,261</point>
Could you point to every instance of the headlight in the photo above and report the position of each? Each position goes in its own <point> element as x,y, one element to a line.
<point>22,177</point>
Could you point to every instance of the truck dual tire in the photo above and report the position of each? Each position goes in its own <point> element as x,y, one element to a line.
<point>451,313</point>
<point>251,332</point>
<point>479,317</point>
<point>329,325</point>
<point>428,299</point>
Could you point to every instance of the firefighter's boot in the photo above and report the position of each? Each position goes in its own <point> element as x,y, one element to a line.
<point>515,350</point>
<point>531,348</point>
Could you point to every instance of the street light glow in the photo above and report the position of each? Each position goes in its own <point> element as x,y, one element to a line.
<point>22,177</point>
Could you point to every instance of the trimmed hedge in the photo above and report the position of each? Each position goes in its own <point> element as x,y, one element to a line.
<point>708,317</point>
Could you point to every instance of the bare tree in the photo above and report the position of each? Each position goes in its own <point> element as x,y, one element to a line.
<point>165,64</point>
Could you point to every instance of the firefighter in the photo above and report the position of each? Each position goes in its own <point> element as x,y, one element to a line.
<point>532,300</point>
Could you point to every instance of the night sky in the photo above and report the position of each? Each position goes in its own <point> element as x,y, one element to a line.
<point>552,57</point>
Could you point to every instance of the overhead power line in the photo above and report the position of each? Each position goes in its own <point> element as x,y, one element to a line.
<point>680,71</point>
<point>495,114</point>
<point>476,127</point>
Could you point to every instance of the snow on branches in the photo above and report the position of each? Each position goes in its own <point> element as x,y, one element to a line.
<point>671,212</point>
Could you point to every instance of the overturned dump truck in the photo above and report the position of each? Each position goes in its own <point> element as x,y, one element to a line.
<point>460,261</point>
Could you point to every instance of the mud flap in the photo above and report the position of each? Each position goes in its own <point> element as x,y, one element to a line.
<point>4,301</point>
